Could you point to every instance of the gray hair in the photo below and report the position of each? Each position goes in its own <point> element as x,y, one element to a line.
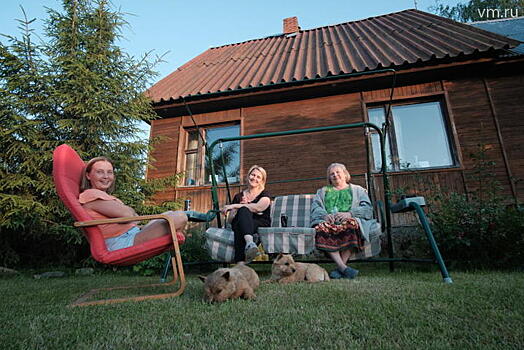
<point>344,169</point>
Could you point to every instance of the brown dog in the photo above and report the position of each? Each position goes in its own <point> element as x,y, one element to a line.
<point>286,270</point>
<point>239,281</point>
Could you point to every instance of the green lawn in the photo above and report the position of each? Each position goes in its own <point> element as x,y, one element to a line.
<point>406,309</point>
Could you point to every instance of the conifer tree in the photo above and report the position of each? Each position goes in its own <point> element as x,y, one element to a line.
<point>80,88</point>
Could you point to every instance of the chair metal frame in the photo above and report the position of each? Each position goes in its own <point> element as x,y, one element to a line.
<point>65,153</point>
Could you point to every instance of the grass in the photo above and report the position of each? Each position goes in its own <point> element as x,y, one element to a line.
<point>380,310</point>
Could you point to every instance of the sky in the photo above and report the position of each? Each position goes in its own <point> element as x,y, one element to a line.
<point>181,30</point>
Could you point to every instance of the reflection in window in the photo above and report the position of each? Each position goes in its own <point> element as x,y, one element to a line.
<point>417,138</point>
<point>197,170</point>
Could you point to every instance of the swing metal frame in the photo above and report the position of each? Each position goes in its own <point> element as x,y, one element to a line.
<point>382,132</point>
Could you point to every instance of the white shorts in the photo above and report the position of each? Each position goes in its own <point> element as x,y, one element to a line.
<point>125,240</point>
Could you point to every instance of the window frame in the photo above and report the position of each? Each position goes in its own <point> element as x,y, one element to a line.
<point>391,138</point>
<point>200,151</point>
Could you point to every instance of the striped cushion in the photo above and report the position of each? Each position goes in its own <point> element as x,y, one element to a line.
<point>297,238</point>
<point>290,240</point>
<point>296,207</point>
<point>220,244</point>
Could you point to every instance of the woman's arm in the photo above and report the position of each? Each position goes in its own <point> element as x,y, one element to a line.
<point>111,209</point>
<point>318,211</point>
<point>258,207</point>
<point>362,208</point>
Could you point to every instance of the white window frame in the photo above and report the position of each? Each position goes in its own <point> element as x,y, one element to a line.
<point>395,164</point>
<point>200,166</point>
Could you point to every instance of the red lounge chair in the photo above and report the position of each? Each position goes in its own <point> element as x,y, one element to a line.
<point>67,170</point>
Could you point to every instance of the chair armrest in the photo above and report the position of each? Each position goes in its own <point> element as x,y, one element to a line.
<point>120,220</point>
<point>196,216</point>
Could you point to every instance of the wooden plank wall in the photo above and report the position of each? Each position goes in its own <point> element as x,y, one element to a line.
<point>474,122</point>
<point>304,156</point>
<point>307,156</point>
<point>507,94</point>
<point>165,153</point>
<point>200,197</point>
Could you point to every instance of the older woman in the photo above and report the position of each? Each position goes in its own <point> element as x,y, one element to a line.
<point>341,214</point>
<point>98,181</point>
<point>250,209</point>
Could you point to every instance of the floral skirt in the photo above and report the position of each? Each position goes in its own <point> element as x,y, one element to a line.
<point>337,237</point>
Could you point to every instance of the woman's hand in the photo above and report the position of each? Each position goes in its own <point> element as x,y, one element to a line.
<point>343,216</point>
<point>229,207</point>
<point>330,218</point>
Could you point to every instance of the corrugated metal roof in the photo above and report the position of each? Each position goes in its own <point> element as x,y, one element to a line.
<point>510,27</point>
<point>393,40</point>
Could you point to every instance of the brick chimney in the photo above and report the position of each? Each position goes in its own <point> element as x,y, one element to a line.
<point>291,25</point>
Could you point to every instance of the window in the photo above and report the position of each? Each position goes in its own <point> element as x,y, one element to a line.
<point>417,138</point>
<point>197,170</point>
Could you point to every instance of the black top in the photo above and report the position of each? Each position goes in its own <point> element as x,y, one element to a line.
<point>265,216</point>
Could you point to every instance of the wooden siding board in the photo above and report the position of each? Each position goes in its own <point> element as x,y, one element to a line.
<point>507,93</point>
<point>402,92</point>
<point>307,156</point>
<point>475,127</point>
<point>165,152</point>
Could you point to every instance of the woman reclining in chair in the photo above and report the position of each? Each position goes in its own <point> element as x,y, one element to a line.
<point>98,181</point>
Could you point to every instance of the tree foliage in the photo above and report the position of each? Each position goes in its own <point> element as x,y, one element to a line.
<point>77,87</point>
<point>480,10</point>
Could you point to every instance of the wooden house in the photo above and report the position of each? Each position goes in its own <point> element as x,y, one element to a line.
<point>456,86</point>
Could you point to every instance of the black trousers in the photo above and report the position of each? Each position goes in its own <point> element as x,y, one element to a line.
<point>244,223</point>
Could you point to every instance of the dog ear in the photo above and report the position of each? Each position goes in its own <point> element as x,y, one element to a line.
<point>202,278</point>
<point>226,275</point>
<point>279,256</point>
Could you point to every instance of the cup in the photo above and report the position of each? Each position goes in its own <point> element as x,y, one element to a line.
<point>283,220</point>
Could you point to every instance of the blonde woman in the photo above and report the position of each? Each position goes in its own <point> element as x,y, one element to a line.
<point>250,210</point>
<point>342,216</point>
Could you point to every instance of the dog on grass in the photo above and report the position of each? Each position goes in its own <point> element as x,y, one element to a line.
<point>239,281</point>
<point>286,270</point>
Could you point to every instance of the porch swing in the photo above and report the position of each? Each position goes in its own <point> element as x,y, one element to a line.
<point>300,245</point>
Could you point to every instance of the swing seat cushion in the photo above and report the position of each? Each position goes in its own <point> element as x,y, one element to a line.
<point>220,244</point>
<point>298,237</point>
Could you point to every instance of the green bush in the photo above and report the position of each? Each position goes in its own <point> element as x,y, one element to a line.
<point>480,228</point>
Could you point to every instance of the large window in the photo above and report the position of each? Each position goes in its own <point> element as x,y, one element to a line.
<point>197,172</point>
<point>417,139</point>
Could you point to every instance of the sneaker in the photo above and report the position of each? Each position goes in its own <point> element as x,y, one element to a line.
<point>335,274</point>
<point>350,273</point>
<point>251,251</point>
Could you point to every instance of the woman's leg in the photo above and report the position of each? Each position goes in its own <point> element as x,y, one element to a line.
<point>340,258</point>
<point>159,227</point>
<point>337,258</point>
<point>244,227</point>
<point>345,255</point>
